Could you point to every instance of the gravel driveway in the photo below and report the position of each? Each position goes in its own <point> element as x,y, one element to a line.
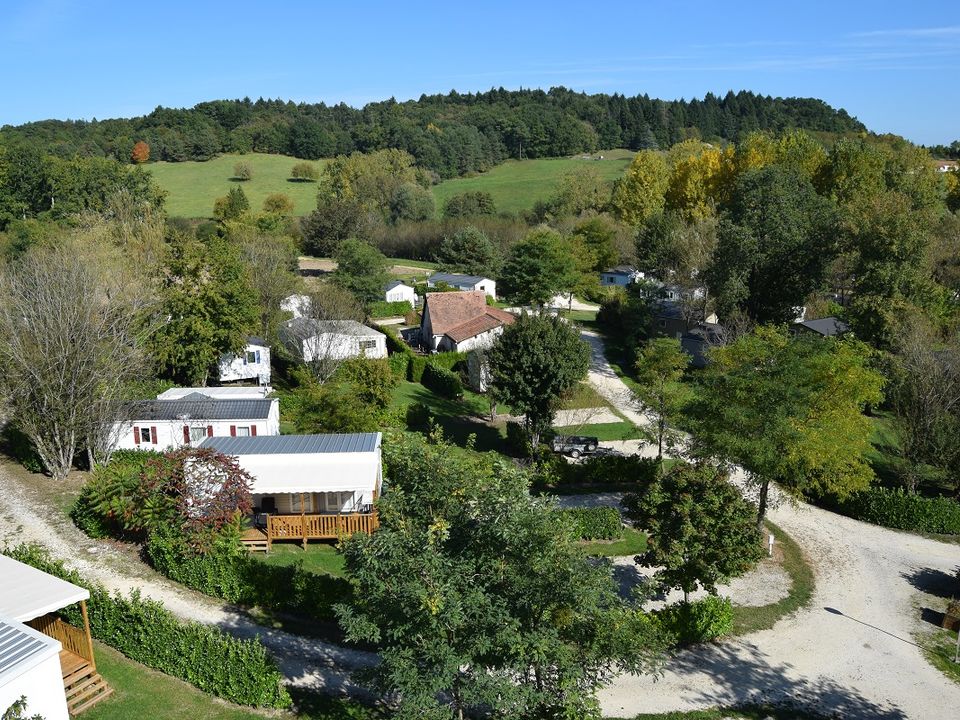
<point>850,652</point>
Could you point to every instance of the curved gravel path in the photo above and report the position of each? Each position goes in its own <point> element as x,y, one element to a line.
<point>849,653</point>
<point>26,517</point>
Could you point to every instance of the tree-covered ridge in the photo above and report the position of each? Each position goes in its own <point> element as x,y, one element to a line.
<point>450,134</point>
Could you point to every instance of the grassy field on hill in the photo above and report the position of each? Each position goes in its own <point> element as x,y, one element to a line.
<point>517,184</point>
<point>192,187</point>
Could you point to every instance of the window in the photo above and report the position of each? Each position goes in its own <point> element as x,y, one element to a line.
<point>307,502</point>
<point>145,435</point>
<point>251,357</point>
<point>367,345</point>
<point>197,434</point>
<point>243,431</point>
<point>663,323</point>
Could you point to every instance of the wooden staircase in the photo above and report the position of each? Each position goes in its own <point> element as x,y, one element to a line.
<point>82,683</point>
<point>255,540</point>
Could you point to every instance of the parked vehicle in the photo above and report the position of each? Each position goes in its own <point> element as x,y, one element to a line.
<point>575,445</point>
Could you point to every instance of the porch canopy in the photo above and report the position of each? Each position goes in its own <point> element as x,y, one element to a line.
<point>27,593</point>
<point>306,463</point>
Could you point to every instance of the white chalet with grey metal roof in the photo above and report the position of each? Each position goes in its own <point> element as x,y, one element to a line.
<point>464,282</point>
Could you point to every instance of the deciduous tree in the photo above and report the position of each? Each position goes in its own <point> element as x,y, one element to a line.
<point>305,172</point>
<point>789,411</point>
<point>361,269</point>
<point>641,192</point>
<point>539,267</point>
<point>701,532</point>
<point>660,367</point>
<point>533,363</point>
<point>469,251</point>
<point>140,153</point>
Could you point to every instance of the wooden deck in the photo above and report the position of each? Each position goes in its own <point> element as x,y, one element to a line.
<point>304,528</point>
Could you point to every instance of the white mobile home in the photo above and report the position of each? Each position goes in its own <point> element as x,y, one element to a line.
<point>620,276</point>
<point>309,486</point>
<point>317,340</point>
<point>298,305</point>
<point>50,662</point>
<point>188,420</point>
<point>398,291</point>
<point>464,283</point>
<point>252,364</point>
<point>233,392</point>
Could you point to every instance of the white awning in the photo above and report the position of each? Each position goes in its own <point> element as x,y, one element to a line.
<point>27,593</point>
<point>314,472</point>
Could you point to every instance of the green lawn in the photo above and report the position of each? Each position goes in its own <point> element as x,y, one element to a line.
<point>458,418</point>
<point>583,396</point>
<point>319,557</point>
<point>517,185</point>
<point>751,619</point>
<point>632,543</point>
<point>192,187</point>
<point>139,692</point>
<point>939,646</point>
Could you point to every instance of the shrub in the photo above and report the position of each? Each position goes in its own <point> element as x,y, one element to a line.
<point>110,503</point>
<point>240,671</point>
<point>399,365</point>
<point>383,309</point>
<point>448,360</point>
<point>394,343</point>
<point>897,509</point>
<point>596,523</point>
<point>417,365</point>
<point>443,382</point>
<point>418,416</point>
<point>699,621</point>
<point>230,573</point>
<point>611,470</point>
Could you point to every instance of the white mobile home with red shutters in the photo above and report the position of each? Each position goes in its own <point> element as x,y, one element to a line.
<point>165,424</point>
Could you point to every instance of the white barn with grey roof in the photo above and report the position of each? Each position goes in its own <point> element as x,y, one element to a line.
<point>166,424</point>
<point>331,473</point>
<point>399,291</point>
<point>464,282</point>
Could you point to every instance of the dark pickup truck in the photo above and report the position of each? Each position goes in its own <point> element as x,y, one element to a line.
<point>575,445</point>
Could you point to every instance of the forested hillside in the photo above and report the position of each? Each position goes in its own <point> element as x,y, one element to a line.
<point>449,134</point>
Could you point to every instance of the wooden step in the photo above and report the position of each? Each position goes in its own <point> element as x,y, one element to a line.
<point>88,693</point>
<point>256,545</point>
<point>77,675</point>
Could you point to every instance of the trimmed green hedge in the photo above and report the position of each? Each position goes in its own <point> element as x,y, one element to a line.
<point>415,370</point>
<point>696,622</point>
<point>596,523</point>
<point>899,510</point>
<point>448,360</point>
<point>238,578</point>
<point>240,671</point>
<point>610,470</point>
<point>383,309</point>
<point>399,365</point>
<point>443,382</point>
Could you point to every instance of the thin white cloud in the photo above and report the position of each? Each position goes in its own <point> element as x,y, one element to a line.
<point>944,31</point>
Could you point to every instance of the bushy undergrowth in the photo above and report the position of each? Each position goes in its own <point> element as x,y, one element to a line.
<point>596,523</point>
<point>240,671</point>
<point>698,621</point>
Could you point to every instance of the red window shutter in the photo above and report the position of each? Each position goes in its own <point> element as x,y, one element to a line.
<point>186,433</point>
<point>209,430</point>
<point>153,434</point>
<point>136,436</point>
<point>233,431</point>
<point>253,429</point>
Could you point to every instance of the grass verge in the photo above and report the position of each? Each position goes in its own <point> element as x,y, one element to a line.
<point>633,542</point>
<point>320,558</point>
<point>939,647</point>
<point>622,430</point>
<point>752,712</point>
<point>751,619</point>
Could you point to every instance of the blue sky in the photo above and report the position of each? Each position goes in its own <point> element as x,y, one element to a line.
<point>895,65</point>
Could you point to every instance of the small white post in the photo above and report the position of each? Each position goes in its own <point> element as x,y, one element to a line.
<point>770,545</point>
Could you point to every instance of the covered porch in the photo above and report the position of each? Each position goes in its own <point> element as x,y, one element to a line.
<point>305,516</point>
<point>33,597</point>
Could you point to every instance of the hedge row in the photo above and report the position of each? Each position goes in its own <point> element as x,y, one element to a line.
<point>244,580</point>
<point>142,629</point>
<point>443,382</point>
<point>696,622</point>
<point>383,309</point>
<point>596,523</point>
<point>897,509</point>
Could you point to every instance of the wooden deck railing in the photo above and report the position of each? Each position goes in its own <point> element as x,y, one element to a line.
<point>319,527</point>
<point>73,639</point>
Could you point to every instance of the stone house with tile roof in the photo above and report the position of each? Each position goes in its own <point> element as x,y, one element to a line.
<point>461,321</point>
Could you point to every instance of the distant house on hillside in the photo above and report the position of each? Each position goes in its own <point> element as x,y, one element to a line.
<point>316,340</point>
<point>825,327</point>
<point>398,291</point>
<point>308,487</point>
<point>190,419</point>
<point>947,165</point>
<point>464,283</point>
<point>620,276</point>
<point>252,364</point>
<point>460,321</point>
<point>672,318</point>
<point>42,657</point>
